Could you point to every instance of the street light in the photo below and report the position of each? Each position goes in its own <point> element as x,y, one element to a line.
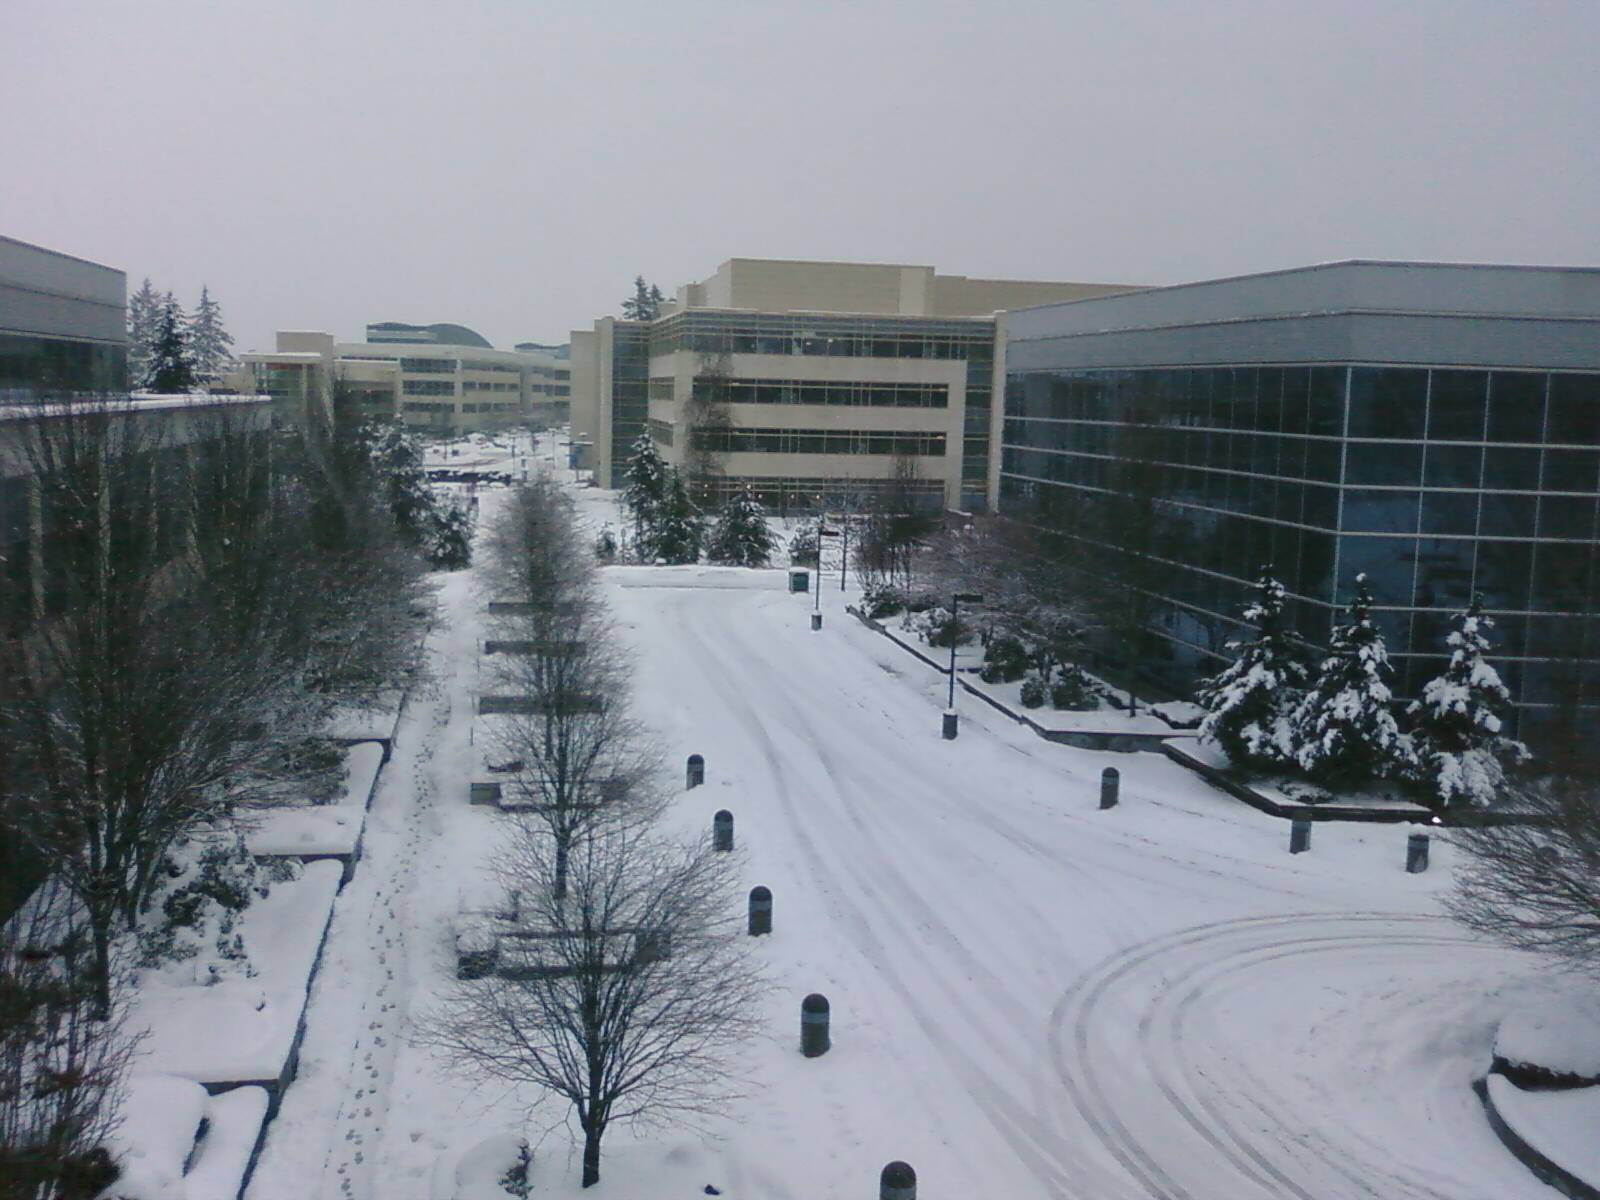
<point>950,719</point>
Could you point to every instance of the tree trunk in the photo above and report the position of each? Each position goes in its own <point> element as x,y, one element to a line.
<point>591,1153</point>
<point>562,851</point>
<point>100,975</point>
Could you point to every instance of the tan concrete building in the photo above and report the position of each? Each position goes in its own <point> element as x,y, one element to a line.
<point>808,381</point>
<point>430,387</point>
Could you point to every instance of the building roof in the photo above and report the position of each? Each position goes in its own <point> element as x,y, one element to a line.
<point>444,333</point>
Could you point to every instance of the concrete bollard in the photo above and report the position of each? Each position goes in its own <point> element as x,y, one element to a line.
<point>696,772</point>
<point>1110,785</point>
<point>952,726</point>
<point>1416,854</point>
<point>816,621</point>
<point>814,1025</point>
<point>897,1182</point>
<point>722,830</point>
<point>760,911</point>
<point>1299,835</point>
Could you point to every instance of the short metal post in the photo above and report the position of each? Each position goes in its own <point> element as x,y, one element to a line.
<point>1110,785</point>
<point>696,772</point>
<point>816,621</point>
<point>1416,854</point>
<point>814,1025</point>
<point>760,911</point>
<point>952,726</point>
<point>722,830</point>
<point>1299,835</point>
<point>898,1182</point>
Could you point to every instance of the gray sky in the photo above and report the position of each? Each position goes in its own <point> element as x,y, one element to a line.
<point>512,166</point>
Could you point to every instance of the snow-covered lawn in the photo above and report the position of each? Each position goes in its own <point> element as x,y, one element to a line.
<point>1563,1126</point>
<point>1030,997</point>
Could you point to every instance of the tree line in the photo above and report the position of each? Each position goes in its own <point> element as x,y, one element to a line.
<point>205,600</point>
<point>171,351</point>
<point>619,983</point>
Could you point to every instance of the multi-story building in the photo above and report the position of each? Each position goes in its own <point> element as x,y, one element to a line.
<point>801,380</point>
<point>441,388</point>
<point>62,325</point>
<point>1434,427</point>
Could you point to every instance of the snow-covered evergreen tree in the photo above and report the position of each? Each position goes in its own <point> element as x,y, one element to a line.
<point>1461,753</point>
<point>210,344</point>
<point>644,490</point>
<point>741,536</point>
<point>144,319</point>
<point>171,369</point>
<point>679,531</point>
<point>645,303</point>
<point>1248,704</point>
<point>1344,731</point>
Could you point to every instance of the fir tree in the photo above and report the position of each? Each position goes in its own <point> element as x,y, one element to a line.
<point>1249,702</point>
<point>209,343</point>
<point>645,490</point>
<point>144,319</point>
<point>1344,731</point>
<point>678,531</point>
<point>1461,753</point>
<point>645,303</point>
<point>741,536</point>
<point>171,369</point>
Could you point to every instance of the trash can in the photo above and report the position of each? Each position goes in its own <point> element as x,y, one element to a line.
<point>799,581</point>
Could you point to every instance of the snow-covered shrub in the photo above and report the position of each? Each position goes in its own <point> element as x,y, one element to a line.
<point>1005,660</point>
<point>1343,730</point>
<point>881,600</point>
<point>1073,690</point>
<point>204,898</point>
<point>1033,692</point>
<point>920,602</point>
<point>515,1180</point>
<point>1461,753</point>
<point>447,537</point>
<point>605,545</point>
<point>805,545</point>
<point>938,627</point>
<point>1248,703</point>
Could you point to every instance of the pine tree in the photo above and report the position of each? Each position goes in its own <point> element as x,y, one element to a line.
<point>1344,732</point>
<point>144,319</point>
<point>1461,753</point>
<point>741,536</point>
<point>171,369</point>
<point>645,303</point>
<point>1249,702</point>
<point>210,344</point>
<point>645,490</point>
<point>678,531</point>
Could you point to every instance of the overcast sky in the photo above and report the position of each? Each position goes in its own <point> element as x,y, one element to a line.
<point>512,165</point>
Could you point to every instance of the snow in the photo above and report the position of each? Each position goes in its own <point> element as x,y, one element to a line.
<point>316,830</point>
<point>1556,1029</point>
<point>1561,1125</point>
<point>1105,719</point>
<point>240,1029</point>
<point>1030,997</point>
<point>162,1116</point>
<point>368,719</point>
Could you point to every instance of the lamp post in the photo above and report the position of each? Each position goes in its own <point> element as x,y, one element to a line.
<point>822,532</point>
<point>951,721</point>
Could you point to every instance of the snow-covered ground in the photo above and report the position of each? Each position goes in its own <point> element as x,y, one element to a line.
<point>1030,997</point>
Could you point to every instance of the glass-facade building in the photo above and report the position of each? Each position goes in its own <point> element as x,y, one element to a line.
<point>62,326</point>
<point>1436,428</point>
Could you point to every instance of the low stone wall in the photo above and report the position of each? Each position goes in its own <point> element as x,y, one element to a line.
<point>1548,1172</point>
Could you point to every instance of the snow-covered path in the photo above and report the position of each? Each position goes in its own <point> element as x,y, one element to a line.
<point>1032,997</point>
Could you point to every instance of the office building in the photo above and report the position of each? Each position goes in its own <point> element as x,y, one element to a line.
<point>1434,427</point>
<point>820,380</point>
<point>63,329</point>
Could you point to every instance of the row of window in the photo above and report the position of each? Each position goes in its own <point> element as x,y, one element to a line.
<point>810,494</point>
<point>428,366</point>
<point>429,387</point>
<point>39,367</point>
<point>1391,403</point>
<point>796,391</point>
<point>709,332</point>
<point>820,441</point>
<point>479,385</point>
<point>424,406</point>
<point>488,406</point>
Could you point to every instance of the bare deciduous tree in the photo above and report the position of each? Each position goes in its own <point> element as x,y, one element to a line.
<point>61,1062</point>
<point>627,995</point>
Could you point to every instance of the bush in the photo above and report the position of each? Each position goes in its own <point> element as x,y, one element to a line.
<point>937,627</point>
<point>1005,660</point>
<point>880,600</point>
<point>605,546</point>
<point>921,602</point>
<point>1033,692</point>
<point>805,547</point>
<point>1074,691</point>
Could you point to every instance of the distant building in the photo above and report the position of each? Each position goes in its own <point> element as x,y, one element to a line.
<point>1435,427</point>
<point>398,333</point>
<point>441,388</point>
<point>825,379</point>
<point>63,325</point>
